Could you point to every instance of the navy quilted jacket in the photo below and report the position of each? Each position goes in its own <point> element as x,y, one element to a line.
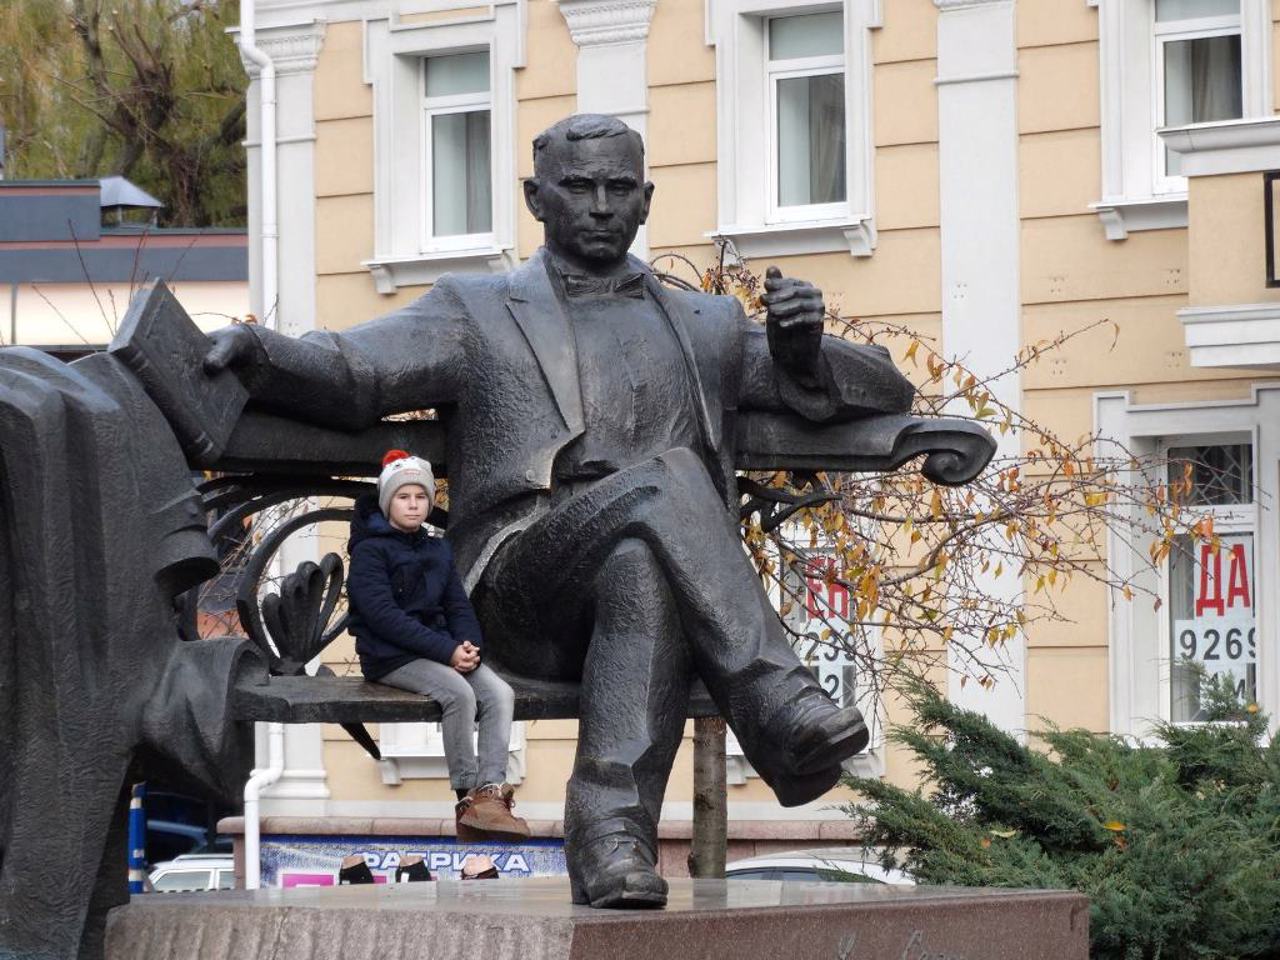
<point>407,600</point>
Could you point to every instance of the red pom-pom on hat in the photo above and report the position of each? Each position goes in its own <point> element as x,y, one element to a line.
<point>392,456</point>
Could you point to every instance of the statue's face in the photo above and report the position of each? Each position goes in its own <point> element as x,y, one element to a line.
<point>591,197</point>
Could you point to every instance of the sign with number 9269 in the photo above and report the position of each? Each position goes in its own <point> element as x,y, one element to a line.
<point>1216,641</point>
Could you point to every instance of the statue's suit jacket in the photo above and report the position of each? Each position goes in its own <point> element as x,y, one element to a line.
<point>495,356</point>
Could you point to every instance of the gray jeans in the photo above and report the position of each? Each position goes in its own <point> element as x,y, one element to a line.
<point>464,697</point>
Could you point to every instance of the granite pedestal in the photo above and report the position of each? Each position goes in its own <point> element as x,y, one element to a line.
<point>534,920</point>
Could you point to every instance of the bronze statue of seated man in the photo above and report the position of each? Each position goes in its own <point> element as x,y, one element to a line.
<point>589,414</point>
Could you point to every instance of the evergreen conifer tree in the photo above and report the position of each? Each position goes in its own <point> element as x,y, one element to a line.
<point>1176,843</point>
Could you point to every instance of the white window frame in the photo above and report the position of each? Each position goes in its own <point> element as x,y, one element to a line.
<point>1227,519</point>
<point>1173,31</point>
<point>405,252</point>
<point>439,107</point>
<point>746,159</point>
<point>1138,634</point>
<point>1134,195</point>
<point>795,69</point>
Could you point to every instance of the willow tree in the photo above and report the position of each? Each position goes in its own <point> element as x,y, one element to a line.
<point>152,90</point>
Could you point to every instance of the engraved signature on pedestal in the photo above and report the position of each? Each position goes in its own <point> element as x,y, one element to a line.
<point>913,950</point>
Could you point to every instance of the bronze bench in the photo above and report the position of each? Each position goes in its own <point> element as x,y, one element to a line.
<point>349,700</point>
<point>260,470</point>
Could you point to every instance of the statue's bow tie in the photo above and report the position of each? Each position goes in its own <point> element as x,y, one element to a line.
<point>627,285</point>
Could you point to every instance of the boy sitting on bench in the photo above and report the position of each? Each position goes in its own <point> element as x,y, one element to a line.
<point>415,629</point>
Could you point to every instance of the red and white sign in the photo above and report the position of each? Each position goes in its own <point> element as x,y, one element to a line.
<point>825,606</point>
<point>1221,635</point>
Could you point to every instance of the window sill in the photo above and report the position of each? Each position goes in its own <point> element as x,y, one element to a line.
<point>1228,146</point>
<point>392,273</point>
<point>1122,217</point>
<point>856,235</point>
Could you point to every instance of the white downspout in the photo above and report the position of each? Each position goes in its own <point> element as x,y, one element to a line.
<point>270,318</point>
<point>267,135</point>
<point>252,814</point>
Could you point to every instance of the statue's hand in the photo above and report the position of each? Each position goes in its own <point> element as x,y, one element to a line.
<point>793,322</point>
<point>235,348</point>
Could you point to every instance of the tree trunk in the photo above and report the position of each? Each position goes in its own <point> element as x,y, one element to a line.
<point>710,799</point>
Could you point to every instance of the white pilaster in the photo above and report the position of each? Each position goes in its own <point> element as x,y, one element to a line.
<point>978,158</point>
<point>611,36</point>
<point>294,49</point>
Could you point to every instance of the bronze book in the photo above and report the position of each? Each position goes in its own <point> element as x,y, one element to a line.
<point>165,350</point>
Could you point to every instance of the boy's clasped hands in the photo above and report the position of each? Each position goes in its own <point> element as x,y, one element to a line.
<point>466,657</point>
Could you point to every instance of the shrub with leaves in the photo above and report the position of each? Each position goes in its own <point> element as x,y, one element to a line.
<point>1176,843</point>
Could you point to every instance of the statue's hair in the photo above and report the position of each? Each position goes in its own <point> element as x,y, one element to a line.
<point>583,126</point>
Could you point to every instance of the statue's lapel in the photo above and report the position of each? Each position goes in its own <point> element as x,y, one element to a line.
<point>540,318</point>
<point>674,310</point>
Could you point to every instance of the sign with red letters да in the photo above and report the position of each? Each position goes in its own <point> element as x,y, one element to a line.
<point>1221,636</point>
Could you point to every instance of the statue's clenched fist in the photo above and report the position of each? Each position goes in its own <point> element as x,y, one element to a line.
<point>793,321</point>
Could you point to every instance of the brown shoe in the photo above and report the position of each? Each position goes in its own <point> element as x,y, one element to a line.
<point>485,814</point>
<point>508,794</point>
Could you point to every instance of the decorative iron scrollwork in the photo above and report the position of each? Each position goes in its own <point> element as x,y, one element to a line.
<point>292,625</point>
<point>252,610</point>
<point>297,616</point>
<point>776,505</point>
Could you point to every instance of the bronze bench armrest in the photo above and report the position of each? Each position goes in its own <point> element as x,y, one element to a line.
<point>955,451</point>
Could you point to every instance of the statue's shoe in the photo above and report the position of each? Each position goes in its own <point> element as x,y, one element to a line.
<point>838,734</point>
<point>615,871</point>
<point>813,735</point>
<point>806,742</point>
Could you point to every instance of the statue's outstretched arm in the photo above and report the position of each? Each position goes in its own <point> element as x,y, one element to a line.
<point>408,360</point>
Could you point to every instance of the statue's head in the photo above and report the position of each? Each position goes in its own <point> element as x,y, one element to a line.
<point>588,189</point>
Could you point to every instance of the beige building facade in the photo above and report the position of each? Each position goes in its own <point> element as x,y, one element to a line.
<point>987,172</point>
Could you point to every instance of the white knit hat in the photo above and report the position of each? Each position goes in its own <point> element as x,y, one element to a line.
<point>399,468</point>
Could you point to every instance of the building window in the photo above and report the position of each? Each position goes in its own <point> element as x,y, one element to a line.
<point>1199,77</point>
<point>456,101</point>
<point>1212,626</point>
<point>806,85</point>
<point>793,107</point>
<point>1165,64</point>
<point>1215,610</point>
<point>1213,476</point>
<point>444,174</point>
